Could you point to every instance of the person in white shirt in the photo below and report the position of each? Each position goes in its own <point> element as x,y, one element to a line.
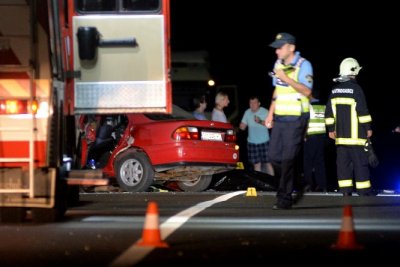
<point>221,102</point>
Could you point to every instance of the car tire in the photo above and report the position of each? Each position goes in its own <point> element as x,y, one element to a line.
<point>201,184</point>
<point>133,171</point>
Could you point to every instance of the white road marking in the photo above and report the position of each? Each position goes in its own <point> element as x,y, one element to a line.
<point>134,254</point>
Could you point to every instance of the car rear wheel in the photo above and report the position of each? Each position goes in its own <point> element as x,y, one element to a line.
<point>134,171</point>
<point>198,185</point>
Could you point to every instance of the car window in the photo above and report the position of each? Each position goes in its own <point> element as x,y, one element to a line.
<point>177,114</point>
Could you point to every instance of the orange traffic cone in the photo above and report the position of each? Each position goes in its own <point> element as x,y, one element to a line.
<point>347,236</point>
<point>151,233</point>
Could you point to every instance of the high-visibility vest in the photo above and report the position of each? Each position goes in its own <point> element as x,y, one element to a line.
<point>316,124</point>
<point>288,101</point>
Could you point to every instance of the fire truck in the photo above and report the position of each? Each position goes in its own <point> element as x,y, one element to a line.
<point>61,60</point>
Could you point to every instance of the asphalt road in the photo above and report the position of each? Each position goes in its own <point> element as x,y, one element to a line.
<point>208,228</point>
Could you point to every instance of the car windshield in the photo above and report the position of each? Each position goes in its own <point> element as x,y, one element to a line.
<point>178,113</point>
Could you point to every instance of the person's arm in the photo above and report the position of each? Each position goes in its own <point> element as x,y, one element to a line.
<point>299,87</point>
<point>244,121</point>
<point>269,121</point>
<point>330,119</point>
<point>305,83</point>
<point>362,110</point>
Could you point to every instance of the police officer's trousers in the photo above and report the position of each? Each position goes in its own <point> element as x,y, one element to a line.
<point>285,144</point>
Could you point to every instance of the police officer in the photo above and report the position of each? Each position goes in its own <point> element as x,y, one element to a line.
<point>348,122</point>
<point>314,149</point>
<point>288,113</point>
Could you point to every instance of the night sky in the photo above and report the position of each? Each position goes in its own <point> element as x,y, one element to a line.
<point>237,34</point>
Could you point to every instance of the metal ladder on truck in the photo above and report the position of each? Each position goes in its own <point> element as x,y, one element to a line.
<point>30,129</point>
<point>17,183</point>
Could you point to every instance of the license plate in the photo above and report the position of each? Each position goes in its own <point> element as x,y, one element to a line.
<point>211,136</point>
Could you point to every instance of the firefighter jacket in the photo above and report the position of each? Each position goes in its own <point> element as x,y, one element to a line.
<point>316,124</point>
<point>347,114</point>
<point>288,101</point>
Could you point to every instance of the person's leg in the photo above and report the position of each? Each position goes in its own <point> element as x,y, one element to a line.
<point>275,149</point>
<point>344,170</point>
<point>319,162</point>
<point>293,136</point>
<point>361,171</point>
<point>267,168</point>
<point>308,161</point>
<point>257,167</point>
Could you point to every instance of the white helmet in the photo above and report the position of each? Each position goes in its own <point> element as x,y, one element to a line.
<point>349,66</point>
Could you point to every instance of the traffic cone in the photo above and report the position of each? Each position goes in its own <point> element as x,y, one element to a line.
<point>347,237</point>
<point>151,233</point>
<point>251,192</point>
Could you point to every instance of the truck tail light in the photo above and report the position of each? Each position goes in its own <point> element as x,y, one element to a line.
<point>13,107</point>
<point>18,106</point>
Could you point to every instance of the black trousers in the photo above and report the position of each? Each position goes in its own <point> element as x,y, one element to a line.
<point>314,161</point>
<point>285,144</point>
<point>352,164</point>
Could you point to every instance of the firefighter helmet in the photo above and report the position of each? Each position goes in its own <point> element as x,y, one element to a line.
<point>349,66</point>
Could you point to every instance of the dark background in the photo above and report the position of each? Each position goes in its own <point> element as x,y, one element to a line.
<point>237,34</point>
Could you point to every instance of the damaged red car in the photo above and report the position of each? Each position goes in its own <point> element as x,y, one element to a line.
<point>139,150</point>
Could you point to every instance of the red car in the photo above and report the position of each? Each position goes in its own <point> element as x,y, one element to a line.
<point>141,149</point>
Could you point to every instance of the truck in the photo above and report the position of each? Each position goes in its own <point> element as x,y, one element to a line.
<point>61,60</point>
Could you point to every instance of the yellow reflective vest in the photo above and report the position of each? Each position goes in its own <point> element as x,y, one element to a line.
<point>288,101</point>
<point>316,124</point>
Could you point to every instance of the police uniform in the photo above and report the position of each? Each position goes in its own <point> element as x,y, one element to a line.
<point>314,148</point>
<point>348,115</point>
<point>291,116</point>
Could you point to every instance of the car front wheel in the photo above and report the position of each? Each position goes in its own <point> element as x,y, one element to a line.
<point>198,185</point>
<point>134,171</point>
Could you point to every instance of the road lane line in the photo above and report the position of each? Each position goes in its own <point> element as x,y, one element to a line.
<point>135,253</point>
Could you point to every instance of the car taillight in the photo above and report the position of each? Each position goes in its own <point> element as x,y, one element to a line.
<point>186,133</point>
<point>230,136</point>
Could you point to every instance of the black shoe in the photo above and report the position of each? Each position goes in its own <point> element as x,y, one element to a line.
<point>347,194</point>
<point>298,195</point>
<point>279,206</point>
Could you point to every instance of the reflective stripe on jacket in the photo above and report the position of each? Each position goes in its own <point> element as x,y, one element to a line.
<point>347,114</point>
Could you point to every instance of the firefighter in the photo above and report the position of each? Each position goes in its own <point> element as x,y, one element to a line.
<point>349,123</point>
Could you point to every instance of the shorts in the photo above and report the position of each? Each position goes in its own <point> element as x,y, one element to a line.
<point>257,153</point>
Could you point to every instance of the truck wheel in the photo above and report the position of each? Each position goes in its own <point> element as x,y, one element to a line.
<point>201,184</point>
<point>134,171</point>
